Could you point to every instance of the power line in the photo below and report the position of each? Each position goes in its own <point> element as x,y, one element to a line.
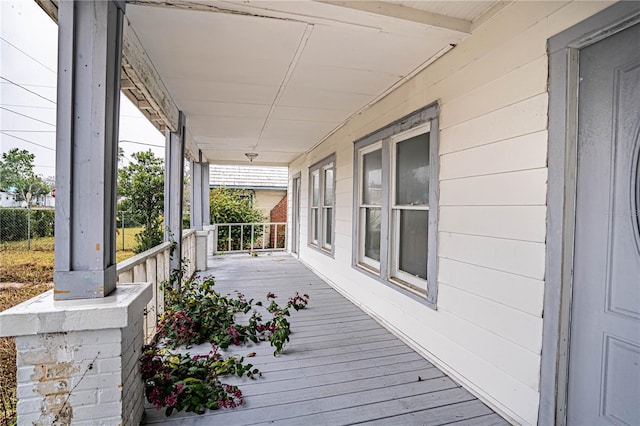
<point>25,53</point>
<point>46,86</point>
<point>27,131</point>
<point>30,91</point>
<point>142,143</point>
<point>27,106</point>
<point>26,140</point>
<point>24,115</point>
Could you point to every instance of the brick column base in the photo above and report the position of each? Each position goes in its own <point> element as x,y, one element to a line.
<point>78,360</point>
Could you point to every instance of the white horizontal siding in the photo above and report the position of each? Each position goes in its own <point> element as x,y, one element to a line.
<point>502,320</point>
<point>515,120</point>
<point>491,89</point>
<point>526,81</point>
<point>517,257</point>
<point>524,223</point>
<point>519,153</point>
<point>525,188</point>
<point>517,361</point>
<point>515,291</point>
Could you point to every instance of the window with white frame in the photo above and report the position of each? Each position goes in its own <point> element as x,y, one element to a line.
<point>395,193</point>
<point>321,211</point>
<point>370,206</point>
<point>410,206</point>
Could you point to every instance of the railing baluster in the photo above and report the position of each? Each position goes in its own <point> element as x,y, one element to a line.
<point>270,236</point>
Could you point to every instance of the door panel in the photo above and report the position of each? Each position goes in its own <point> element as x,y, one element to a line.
<point>604,359</point>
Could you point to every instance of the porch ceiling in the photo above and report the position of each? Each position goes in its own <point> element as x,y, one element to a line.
<point>277,77</point>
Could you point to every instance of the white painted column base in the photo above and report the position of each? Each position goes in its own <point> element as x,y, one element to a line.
<point>201,250</point>
<point>211,240</point>
<point>77,360</point>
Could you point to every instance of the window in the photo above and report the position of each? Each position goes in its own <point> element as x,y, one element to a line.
<point>370,214</point>
<point>321,211</point>
<point>396,204</point>
<point>410,206</point>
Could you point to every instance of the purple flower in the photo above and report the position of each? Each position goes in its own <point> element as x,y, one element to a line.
<point>171,399</point>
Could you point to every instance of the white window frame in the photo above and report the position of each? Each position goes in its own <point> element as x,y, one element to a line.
<point>320,243</point>
<point>314,216</point>
<point>396,273</point>
<point>362,210</point>
<point>419,122</point>
<point>325,207</point>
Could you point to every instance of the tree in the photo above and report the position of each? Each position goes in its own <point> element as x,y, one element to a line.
<point>230,206</point>
<point>17,176</point>
<point>141,186</point>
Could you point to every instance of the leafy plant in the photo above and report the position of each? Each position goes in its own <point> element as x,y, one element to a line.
<point>196,314</point>
<point>181,382</point>
<point>233,206</point>
<point>141,186</point>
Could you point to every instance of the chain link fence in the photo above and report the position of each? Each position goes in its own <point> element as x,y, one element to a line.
<point>23,229</point>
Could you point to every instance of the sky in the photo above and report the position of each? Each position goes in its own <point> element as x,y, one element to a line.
<point>28,63</point>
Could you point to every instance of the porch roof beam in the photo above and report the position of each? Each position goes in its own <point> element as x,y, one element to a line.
<point>141,81</point>
<point>404,13</point>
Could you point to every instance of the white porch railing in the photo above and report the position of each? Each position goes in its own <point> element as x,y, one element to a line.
<point>153,266</point>
<point>189,251</point>
<point>249,237</point>
<point>149,266</point>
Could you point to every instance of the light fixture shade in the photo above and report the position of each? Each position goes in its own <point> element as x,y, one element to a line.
<point>251,155</point>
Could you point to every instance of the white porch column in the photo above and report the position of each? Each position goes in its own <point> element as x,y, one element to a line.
<point>196,194</point>
<point>206,214</point>
<point>89,55</point>
<point>173,189</point>
<point>77,360</point>
<point>200,217</point>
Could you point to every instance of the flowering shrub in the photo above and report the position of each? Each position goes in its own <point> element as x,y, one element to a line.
<point>196,314</point>
<point>181,382</point>
<point>177,327</point>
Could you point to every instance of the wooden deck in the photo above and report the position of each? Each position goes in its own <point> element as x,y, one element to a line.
<point>341,367</point>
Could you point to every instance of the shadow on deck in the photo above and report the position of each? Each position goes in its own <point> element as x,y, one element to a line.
<point>341,367</point>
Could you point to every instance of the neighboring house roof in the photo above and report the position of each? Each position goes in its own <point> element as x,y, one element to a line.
<point>248,177</point>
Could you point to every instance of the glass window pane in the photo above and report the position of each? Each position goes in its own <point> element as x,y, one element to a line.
<point>314,224</point>
<point>412,171</point>
<point>413,242</point>
<point>372,178</point>
<point>373,219</point>
<point>328,221</point>
<point>316,188</point>
<point>328,187</point>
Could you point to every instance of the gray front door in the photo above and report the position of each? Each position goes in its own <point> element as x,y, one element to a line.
<point>604,358</point>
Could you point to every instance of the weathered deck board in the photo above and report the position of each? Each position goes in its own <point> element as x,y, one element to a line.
<point>341,367</point>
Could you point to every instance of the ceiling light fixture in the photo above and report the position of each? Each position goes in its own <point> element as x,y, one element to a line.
<point>251,155</point>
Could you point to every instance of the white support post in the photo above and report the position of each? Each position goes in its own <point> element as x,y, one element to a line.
<point>196,195</point>
<point>89,58</point>
<point>206,215</point>
<point>77,360</point>
<point>173,190</point>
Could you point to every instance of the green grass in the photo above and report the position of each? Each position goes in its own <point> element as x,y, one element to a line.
<point>35,266</point>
